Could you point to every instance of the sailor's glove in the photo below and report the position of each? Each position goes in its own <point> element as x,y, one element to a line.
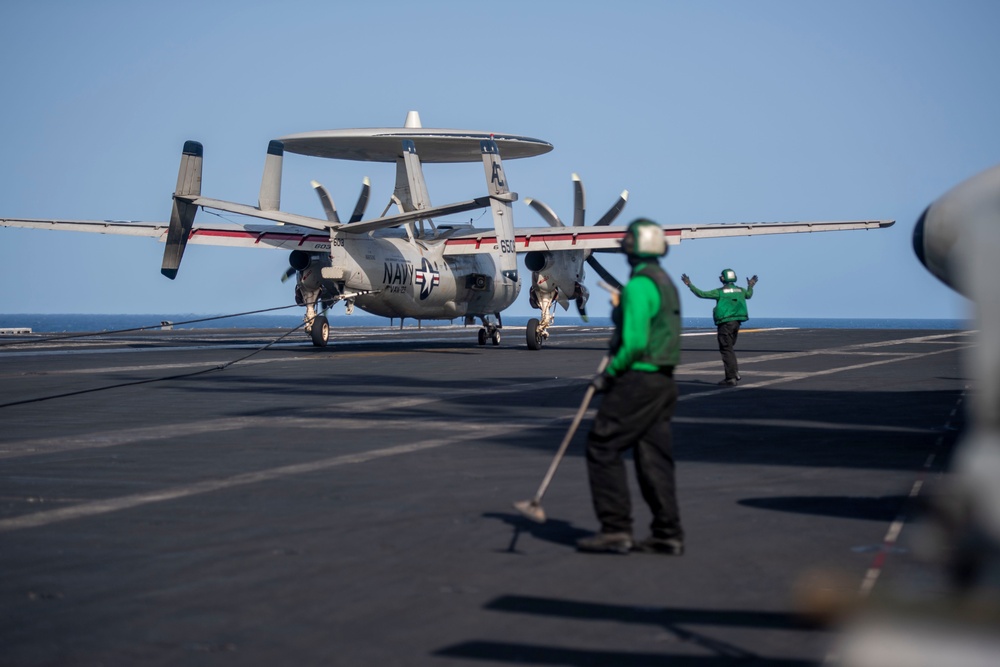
<point>602,382</point>
<point>685,279</point>
<point>751,281</point>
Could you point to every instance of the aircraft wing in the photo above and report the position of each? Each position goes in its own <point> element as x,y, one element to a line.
<point>423,214</point>
<point>126,227</point>
<point>292,231</point>
<point>470,241</point>
<point>224,234</point>
<point>363,226</point>
<point>460,242</point>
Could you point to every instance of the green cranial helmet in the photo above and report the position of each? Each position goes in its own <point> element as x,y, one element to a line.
<point>728,276</point>
<point>644,239</point>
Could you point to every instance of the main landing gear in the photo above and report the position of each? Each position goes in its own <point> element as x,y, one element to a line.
<point>316,324</point>
<point>320,331</point>
<point>490,330</point>
<point>536,334</point>
<point>537,331</point>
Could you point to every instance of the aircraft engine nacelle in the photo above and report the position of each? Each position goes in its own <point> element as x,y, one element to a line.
<point>563,269</point>
<point>310,266</point>
<point>559,276</point>
<point>537,260</point>
<point>299,260</point>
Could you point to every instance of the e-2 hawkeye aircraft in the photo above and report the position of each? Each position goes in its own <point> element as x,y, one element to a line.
<point>404,265</point>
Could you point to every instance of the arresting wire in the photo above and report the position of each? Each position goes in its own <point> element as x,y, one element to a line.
<point>178,376</point>
<point>89,334</point>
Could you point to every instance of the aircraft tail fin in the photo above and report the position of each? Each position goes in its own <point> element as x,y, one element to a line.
<point>501,199</point>
<point>411,188</point>
<point>182,214</point>
<point>270,185</point>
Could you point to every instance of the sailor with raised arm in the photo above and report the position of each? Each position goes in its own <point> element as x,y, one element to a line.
<point>730,311</point>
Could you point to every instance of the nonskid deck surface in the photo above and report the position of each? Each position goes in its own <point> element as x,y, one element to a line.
<point>160,504</point>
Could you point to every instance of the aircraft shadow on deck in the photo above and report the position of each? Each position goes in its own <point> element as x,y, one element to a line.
<point>884,509</point>
<point>669,619</point>
<point>762,426</point>
<point>554,655</point>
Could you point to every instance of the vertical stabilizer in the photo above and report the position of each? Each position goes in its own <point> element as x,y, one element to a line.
<point>189,174</point>
<point>182,214</point>
<point>503,213</point>
<point>270,185</point>
<point>411,189</point>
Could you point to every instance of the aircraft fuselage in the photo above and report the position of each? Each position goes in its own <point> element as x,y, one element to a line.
<point>395,276</point>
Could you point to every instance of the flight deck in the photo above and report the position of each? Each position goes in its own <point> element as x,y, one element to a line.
<point>209,497</point>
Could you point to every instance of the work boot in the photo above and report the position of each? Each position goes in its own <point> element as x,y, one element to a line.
<point>606,543</point>
<point>728,382</point>
<point>659,545</point>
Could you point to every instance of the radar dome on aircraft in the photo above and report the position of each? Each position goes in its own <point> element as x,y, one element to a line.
<point>383,144</point>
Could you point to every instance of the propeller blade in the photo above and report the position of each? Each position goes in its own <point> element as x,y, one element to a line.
<point>581,306</point>
<point>613,212</point>
<point>289,272</point>
<point>327,201</point>
<point>359,208</point>
<point>579,202</point>
<point>547,213</point>
<point>603,273</point>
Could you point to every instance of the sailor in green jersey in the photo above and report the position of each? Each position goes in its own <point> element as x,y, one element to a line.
<point>730,310</point>
<point>639,399</point>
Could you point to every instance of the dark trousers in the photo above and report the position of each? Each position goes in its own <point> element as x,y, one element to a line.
<point>728,331</point>
<point>635,413</point>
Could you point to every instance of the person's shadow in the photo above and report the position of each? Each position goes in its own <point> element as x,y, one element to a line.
<point>553,530</point>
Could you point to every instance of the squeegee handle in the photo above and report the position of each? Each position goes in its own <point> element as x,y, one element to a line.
<point>587,397</point>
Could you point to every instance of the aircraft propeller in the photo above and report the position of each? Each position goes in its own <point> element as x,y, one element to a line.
<point>579,213</point>
<point>331,211</point>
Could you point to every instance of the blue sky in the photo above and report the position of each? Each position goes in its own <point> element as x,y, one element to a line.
<point>705,111</point>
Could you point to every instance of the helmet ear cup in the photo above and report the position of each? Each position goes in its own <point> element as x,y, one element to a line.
<point>628,243</point>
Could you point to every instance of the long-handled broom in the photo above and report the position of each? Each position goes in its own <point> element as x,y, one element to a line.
<point>532,509</point>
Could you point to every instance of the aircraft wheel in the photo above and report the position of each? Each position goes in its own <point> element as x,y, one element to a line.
<point>496,337</point>
<point>482,336</point>
<point>533,335</point>
<point>320,331</point>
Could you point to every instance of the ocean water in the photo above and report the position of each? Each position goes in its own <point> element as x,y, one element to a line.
<point>73,323</point>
